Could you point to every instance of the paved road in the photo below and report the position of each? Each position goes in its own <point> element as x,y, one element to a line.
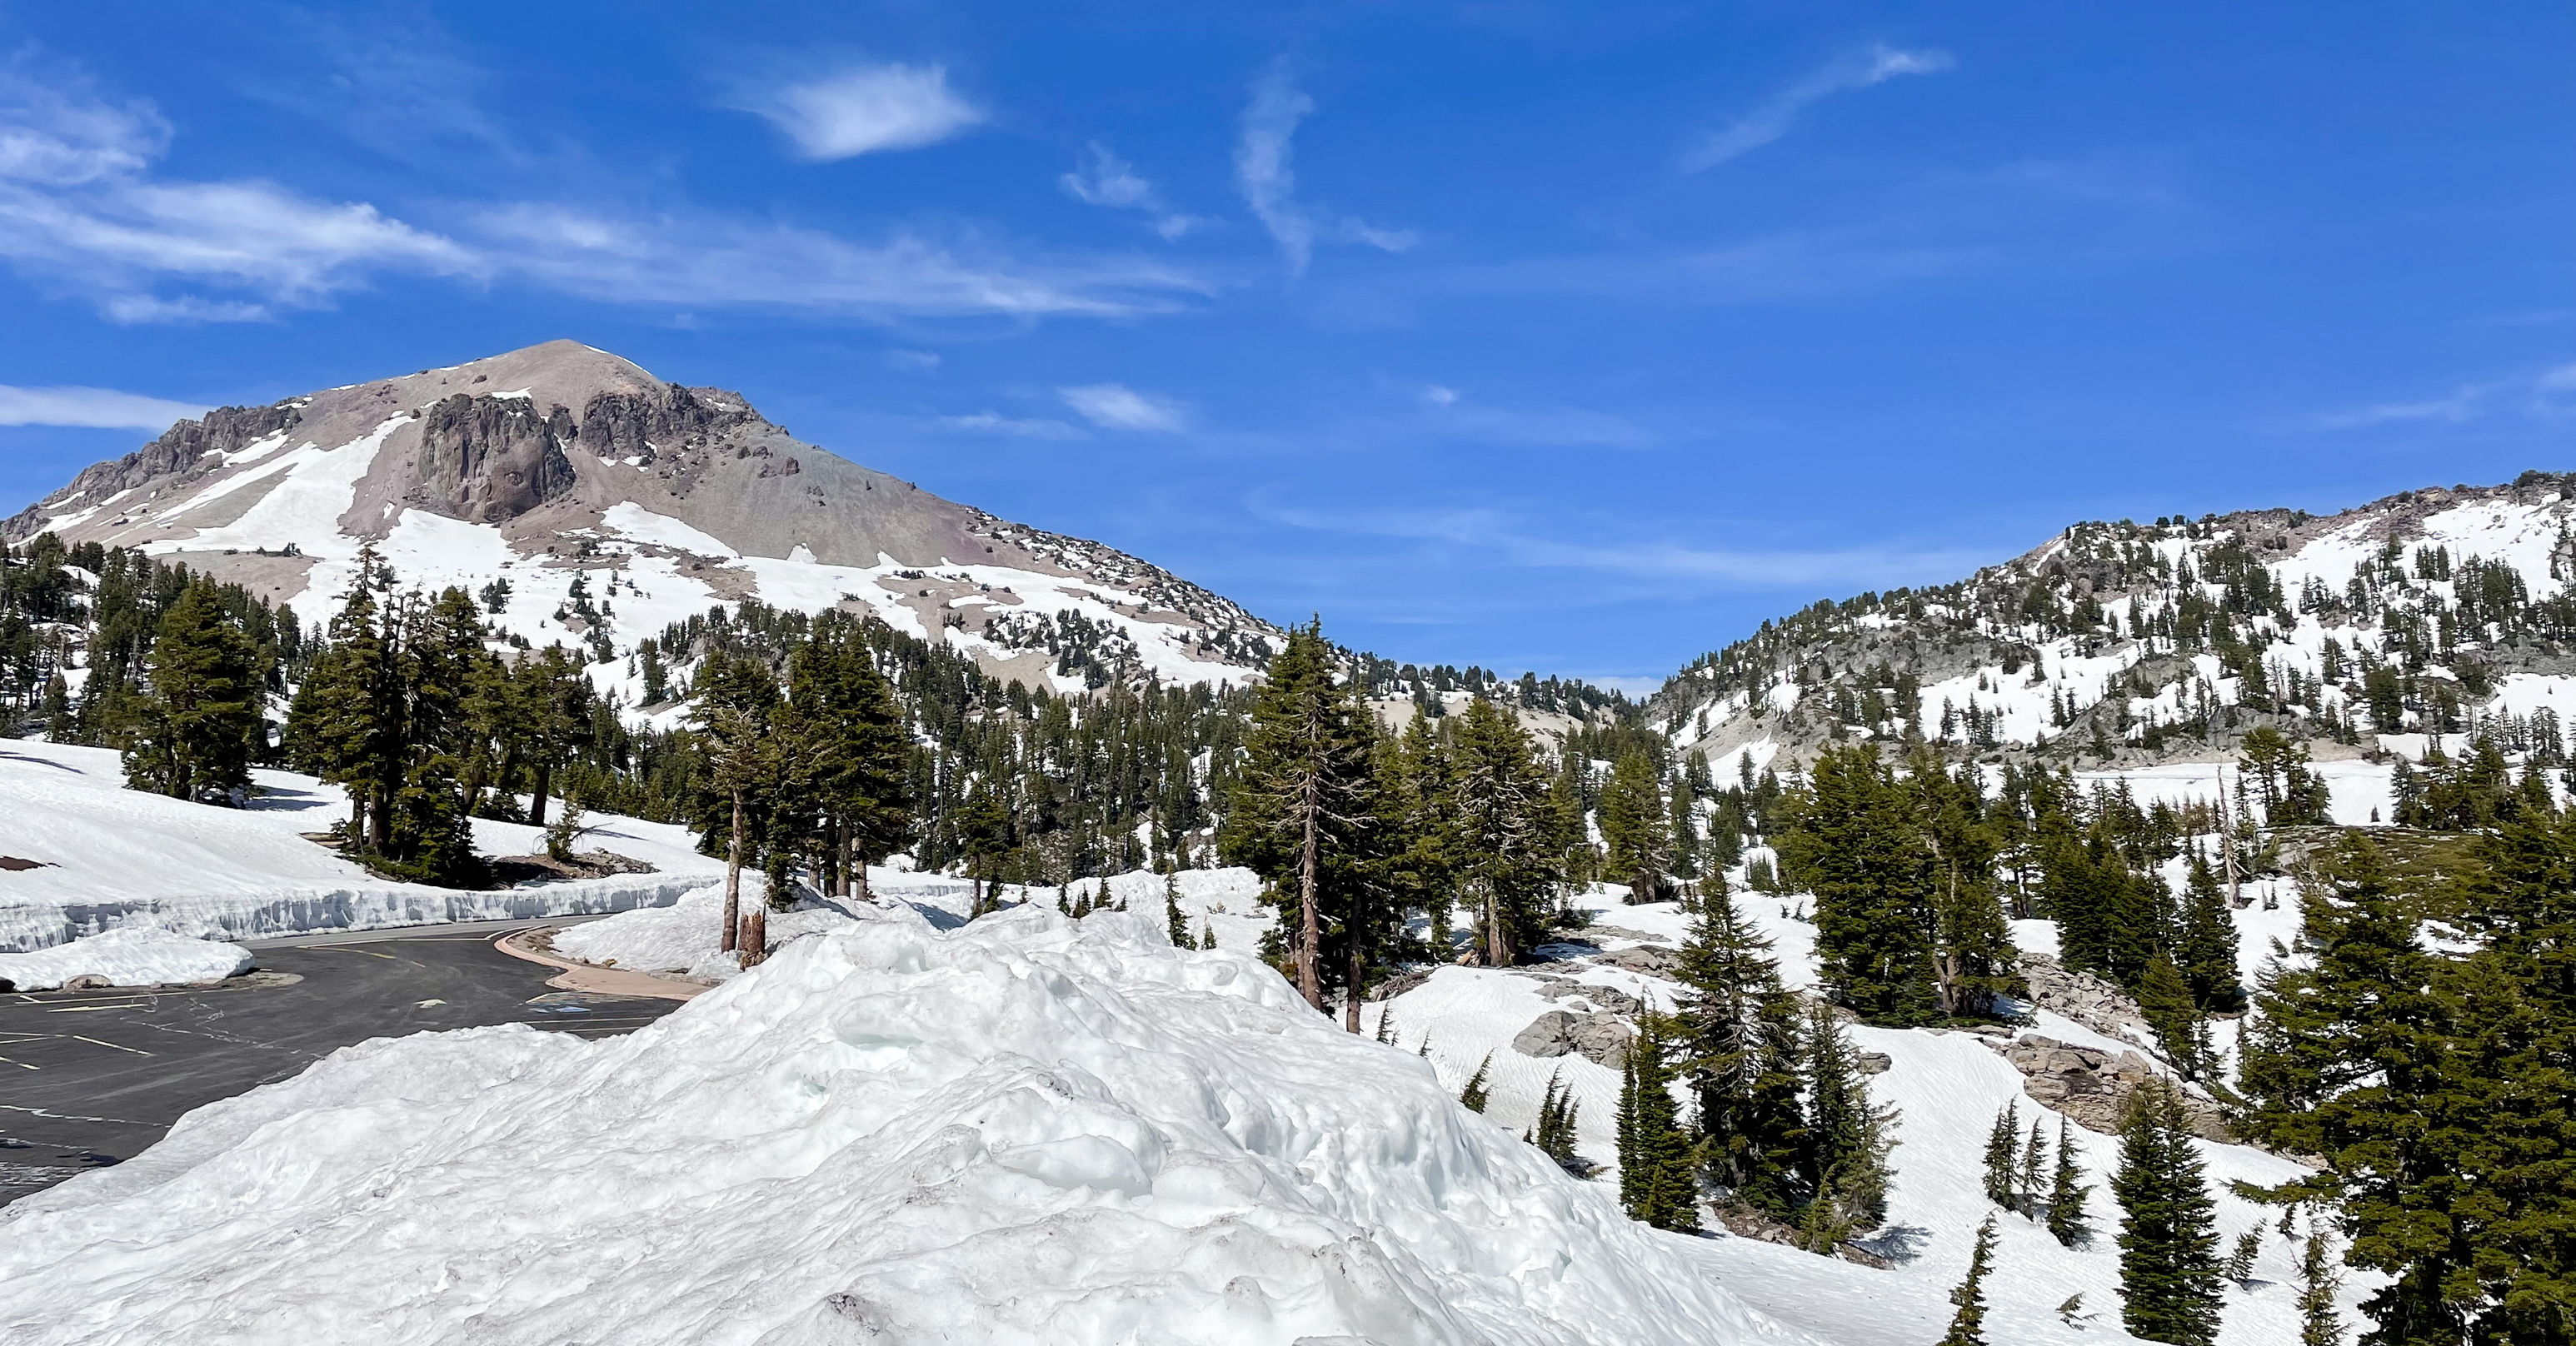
<point>93,1077</point>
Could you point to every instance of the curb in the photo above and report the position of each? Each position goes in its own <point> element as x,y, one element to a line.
<point>592,978</point>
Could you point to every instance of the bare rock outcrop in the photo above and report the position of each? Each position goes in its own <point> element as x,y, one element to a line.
<point>2087,999</point>
<point>1599,1037</point>
<point>486,459</point>
<point>2092,1087</point>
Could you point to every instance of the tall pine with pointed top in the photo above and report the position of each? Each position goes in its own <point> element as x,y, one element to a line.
<point>1658,1183</point>
<point>1968,1318</point>
<point>2068,1194</point>
<point>1847,1142</point>
<point>1738,1029</point>
<point>1853,841</point>
<point>2169,1263</point>
<point>197,730</point>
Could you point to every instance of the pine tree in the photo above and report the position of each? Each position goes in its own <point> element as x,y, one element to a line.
<point>1303,800</point>
<point>2164,999</point>
<point>1474,1097</point>
<point>1559,1115</point>
<point>2205,943</point>
<point>2003,1143</point>
<point>1635,828</point>
<point>1967,1324</point>
<point>2027,1195</point>
<point>2318,1282</point>
<point>2240,1259</point>
<point>2069,1194</point>
<point>1504,833</point>
<point>2169,1266</point>
<point>1739,1032</point>
<point>1176,927</point>
<point>1657,1181</point>
<point>1847,1142</point>
<point>1853,842</point>
<point>196,733</point>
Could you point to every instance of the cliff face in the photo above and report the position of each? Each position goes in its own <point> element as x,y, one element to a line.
<point>186,450</point>
<point>487,459</point>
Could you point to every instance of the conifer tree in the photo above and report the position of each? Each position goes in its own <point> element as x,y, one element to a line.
<point>2027,1194</point>
<point>2169,1266</point>
<point>1473,1097</point>
<point>1853,842</point>
<point>1968,1321</point>
<point>197,730</point>
<point>2068,1193</point>
<point>1847,1141</point>
<point>1177,927</point>
<point>2319,1325</point>
<point>1634,827</point>
<point>1559,1114</point>
<point>2165,1001</point>
<point>1657,1182</point>
<point>1303,802</point>
<point>1505,839</point>
<point>2003,1161</point>
<point>2205,942</point>
<point>1739,1030</point>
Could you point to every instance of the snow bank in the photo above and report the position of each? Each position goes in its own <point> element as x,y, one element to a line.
<point>134,956</point>
<point>109,857</point>
<point>684,936</point>
<point>1026,1130</point>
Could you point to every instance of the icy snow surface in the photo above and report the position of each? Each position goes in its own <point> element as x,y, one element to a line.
<point>111,856</point>
<point>1021,1131</point>
<point>130,956</point>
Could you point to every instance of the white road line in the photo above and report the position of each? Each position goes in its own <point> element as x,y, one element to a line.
<point>136,1050</point>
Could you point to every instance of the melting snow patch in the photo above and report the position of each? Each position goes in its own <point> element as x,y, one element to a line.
<point>126,957</point>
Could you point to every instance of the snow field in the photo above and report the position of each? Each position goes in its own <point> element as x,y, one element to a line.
<point>111,856</point>
<point>1028,1130</point>
<point>127,956</point>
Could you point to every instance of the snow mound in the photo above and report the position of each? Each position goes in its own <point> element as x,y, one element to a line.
<point>1026,1130</point>
<point>683,937</point>
<point>131,956</point>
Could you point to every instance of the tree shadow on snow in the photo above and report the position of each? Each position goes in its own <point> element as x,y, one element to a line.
<point>1898,1243</point>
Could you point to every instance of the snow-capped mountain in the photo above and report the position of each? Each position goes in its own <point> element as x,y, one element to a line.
<point>613,503</point>
<point>2442,611</point>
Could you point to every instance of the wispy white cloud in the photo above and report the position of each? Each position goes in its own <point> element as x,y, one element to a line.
<point>1263,173</point>
<point>1116,406</point>
<point>99,408</point>
<point>912,361</point>
<point>79,209</point>
<point>1772,120</point>
<point>721,260</point>
<point>1103,179</point>
<point>2544,395</point>
<point>1503,538</point>
<point>994,423</point>
<point>862,109</point>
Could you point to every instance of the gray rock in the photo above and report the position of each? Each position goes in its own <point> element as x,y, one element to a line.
<point>1874,1063</point>
<point>1610,998</point>
<point>1597,1037</point>
<point>1651,962</point>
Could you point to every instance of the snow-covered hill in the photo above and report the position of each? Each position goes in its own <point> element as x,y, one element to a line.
<point>612,504</point>
<point>2435,611</point>
<point>1021,1131</point>
<point>109,857</point>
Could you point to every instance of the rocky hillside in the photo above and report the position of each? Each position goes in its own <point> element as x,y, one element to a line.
<point>2432,612</point>
<point>586,501</point>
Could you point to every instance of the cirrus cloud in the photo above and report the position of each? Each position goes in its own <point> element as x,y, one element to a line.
<point>96,408</point>
<point>1115,406</point>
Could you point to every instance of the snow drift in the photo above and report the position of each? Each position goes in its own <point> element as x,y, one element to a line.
<point>1026,1130</point>
<point>131,956</point>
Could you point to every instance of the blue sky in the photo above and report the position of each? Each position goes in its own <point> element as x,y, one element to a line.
<point>1575,337</point>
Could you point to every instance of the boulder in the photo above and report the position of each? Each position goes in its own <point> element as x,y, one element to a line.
<point>1598,1037</point>
<point>2092,1087</point>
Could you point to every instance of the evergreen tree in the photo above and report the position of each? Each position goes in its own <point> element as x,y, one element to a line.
<point>2165,1001</point>
<point>1177,927</point>
<point>1657,1182</point>
<point>2068,1193</point>
<point>344,726</point>
<point>1853,842</point>
<point>2003,1162</point>
<point>1967,1323</point>
<point>1739,1030</point>
<point>2205,943</point>
<point>198,730</point>
<point>2169,1267</point>
<point>1634,827</point>
<point>1504,834</point>
<point>1303,804</point>
<point>2027,1193</point>
<point>1473,1097</point>
<point>2318,1282</point>
<point>1559,1115</point>
<point>1847,1142</point>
